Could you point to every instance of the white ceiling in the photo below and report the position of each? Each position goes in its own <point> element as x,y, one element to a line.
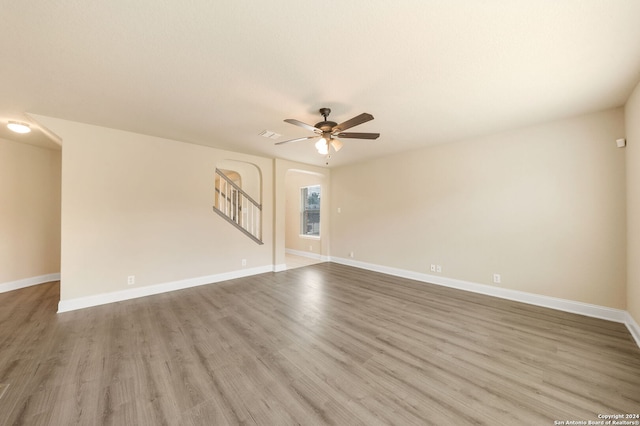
<point>219,72</point>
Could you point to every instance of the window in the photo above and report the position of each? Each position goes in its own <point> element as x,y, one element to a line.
<point>310,211</point>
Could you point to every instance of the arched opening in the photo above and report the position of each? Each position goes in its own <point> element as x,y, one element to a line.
<point>238,196</point>
<point>306,218</point>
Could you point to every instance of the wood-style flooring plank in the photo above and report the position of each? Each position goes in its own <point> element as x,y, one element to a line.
<point>324,344</point>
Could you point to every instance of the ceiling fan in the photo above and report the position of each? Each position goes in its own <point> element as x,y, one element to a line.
<point>329,131</point>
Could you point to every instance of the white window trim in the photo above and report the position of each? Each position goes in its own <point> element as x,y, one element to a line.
<point>308,236</point>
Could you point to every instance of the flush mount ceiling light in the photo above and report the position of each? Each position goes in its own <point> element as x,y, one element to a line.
<point>18,127</point>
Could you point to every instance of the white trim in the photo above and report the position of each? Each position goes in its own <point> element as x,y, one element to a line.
<point>280,267</point>
<point>596,311</point>
<point>634,328</point>
<point>310,255</point>
<point>309,237</point>
<point>28,282</point>
<point>133,293</point>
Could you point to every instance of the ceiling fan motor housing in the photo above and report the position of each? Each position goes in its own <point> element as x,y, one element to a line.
<point>325,126</point>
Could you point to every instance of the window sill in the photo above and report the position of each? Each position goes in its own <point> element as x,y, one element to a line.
<point>310,237</point>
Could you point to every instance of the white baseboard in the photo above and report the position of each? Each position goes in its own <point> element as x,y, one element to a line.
<point>134,293</point>
<point>28,282</point>
<point>308,254</point>
<point>596,311</point>
<point>280,267</point>
<point>634,328</point>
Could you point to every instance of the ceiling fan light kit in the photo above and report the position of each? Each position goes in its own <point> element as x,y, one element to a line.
<point>329,131</point>
<point>322,146</point>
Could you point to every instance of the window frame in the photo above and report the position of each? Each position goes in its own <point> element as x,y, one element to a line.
<point>304,211</point>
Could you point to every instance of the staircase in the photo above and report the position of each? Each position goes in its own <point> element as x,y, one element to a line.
<point>237,207</point>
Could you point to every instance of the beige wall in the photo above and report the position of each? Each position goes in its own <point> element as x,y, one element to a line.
<point>632,120</point>
<point>295,180</point>
<point>29,211</point>
<point>140,205</point>
<point>542,206</point>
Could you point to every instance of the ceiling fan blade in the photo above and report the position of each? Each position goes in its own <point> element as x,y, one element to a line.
<point>358,135</point>
<point>296,140</point>
<point>362,118</point>
<point>336,144</point>
<point>304,125</point>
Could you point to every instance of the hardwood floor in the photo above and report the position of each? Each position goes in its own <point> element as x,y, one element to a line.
<point>294,261</point>
<point>322,344</point>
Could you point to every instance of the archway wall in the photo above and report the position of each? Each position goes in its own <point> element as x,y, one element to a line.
<point>250,176</point>
<point>288,178</point>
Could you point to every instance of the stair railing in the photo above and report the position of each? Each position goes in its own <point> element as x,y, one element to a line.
<point>237,207</point>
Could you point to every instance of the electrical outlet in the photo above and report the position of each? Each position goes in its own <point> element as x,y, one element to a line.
<point>433,267</point>
<point>351,254</point>
<point>497,279</point>
<point>131,280</point>
<point>438,268</point>
<point>244,262</point>
<point>310,248</point>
